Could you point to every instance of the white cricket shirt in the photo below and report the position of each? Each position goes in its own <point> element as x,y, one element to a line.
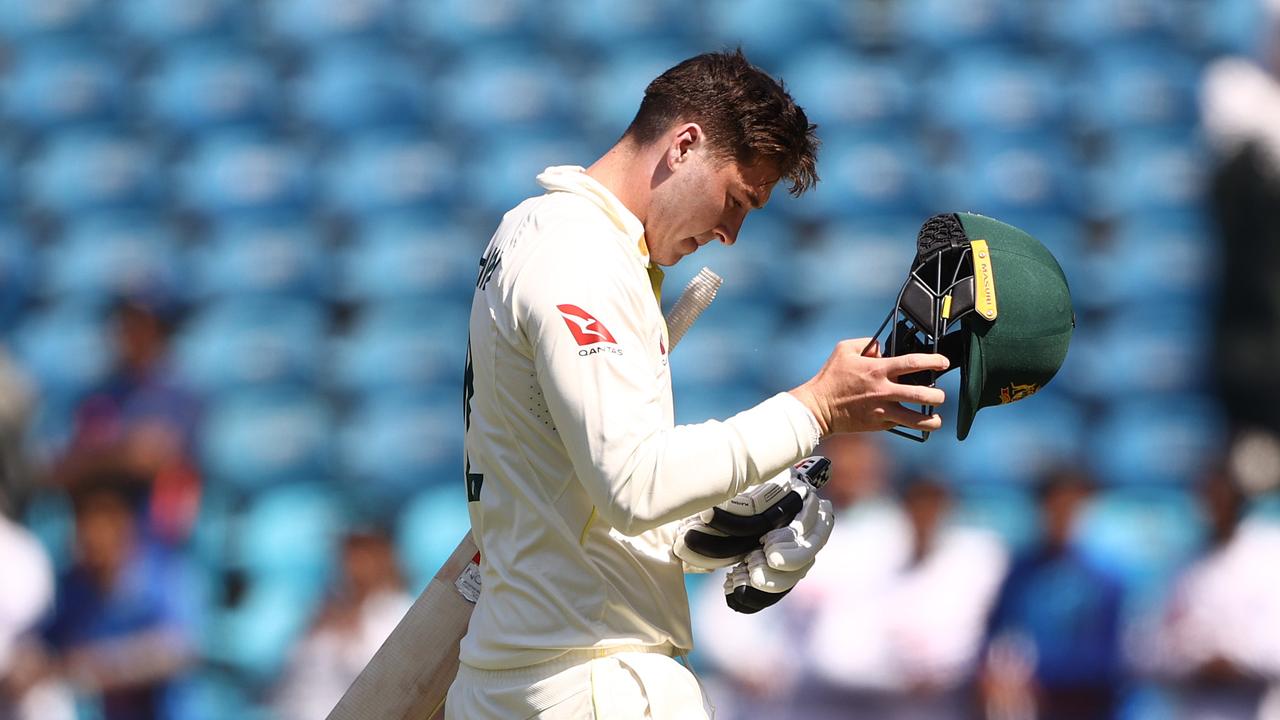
<point>576,472</point>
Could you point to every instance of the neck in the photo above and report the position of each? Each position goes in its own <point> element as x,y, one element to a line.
<point>622,171</point>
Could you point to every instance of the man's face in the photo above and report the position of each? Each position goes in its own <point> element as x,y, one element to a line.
<point>704,198</point>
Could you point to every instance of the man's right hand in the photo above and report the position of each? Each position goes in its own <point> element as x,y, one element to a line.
<point>856,390</point>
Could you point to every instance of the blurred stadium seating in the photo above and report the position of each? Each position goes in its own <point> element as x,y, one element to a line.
<point>313,183</point>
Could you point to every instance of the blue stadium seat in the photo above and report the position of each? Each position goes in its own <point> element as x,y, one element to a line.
<point>242,172</point>
<point>1157,441</point>
<point>946,25</point>
<point>455,24</point>
<point>862,260</point>
<point>866,173</point>
<point>602,25</point>
<point>998,90</point>
<point>55,85</point>
<point>1092,24</point>
<point>1007,510</point>
<point>402,346</point>
<point>164,22</point>
<point>410,257</point>
<point>201,87</point>
<point>248,342</point>
<point>17,275</point>
<point>385,171</point>
<point>1014,444</point>
<point>769,32</point>
<point>281,257</point>
<point>398,443</point>
<point>1236,27</point>
<point>506,87</point>
<point>1139,86</point>
<point>253,639</point>
<point>109,255</point>
<point>215,693</point>
<point>254,439</point>
<point>1149,172</point>
<point>1265,508</point>
<point>67,349</point>
<point>501,174</point>
<point>351,88</point>
<point>316,24</point>
<point>733,343</point>
<point>1153,260</point>
<point>1002,175</point>
<point>429,529</point>
<point>290,533</point>
<point>1144,535</point>
<point>840,88</point>
<point>10,176</point>
<point>613,88</point>
<point>25,20</point>
<point>1151,348</point>
<point>83,171</point>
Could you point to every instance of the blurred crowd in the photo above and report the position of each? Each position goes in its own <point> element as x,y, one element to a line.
<point>237,240</point>
<point>930,612</point>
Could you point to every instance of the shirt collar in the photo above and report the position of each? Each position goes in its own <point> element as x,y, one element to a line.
<point>574,179</point>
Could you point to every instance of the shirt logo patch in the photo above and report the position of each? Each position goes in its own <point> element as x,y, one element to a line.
<point>585,328</point>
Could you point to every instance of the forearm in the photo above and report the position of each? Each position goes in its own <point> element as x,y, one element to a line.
<point>132,661</point>
<point>680,471</point>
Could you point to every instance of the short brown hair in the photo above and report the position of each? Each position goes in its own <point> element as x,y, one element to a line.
<point>747,114</point>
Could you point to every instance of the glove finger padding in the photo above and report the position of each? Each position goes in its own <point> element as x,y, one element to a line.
<point>741,596</point>
<point>703,547</point>
<point>771,504</point>
<point>776,515</point>
<point>723,535</point>
<point>796,545</point>
<point>770,579</point>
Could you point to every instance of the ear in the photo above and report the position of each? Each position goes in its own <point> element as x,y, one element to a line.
<point>684,139</point>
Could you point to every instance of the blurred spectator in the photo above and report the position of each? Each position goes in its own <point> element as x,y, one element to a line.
<point>1241,117</point>
<point>890,631</point>
<point>17,400</point>
<point>122,624</point>
<point>1220,636</point>
<point>898,627</point>
<point>25,596</point>
<point>364,608</point>
<point>141,422</point>
<point>1053,650</point>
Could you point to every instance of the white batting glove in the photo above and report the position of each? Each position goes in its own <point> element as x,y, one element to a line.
<point>767,574</point>
<point>723,535</point>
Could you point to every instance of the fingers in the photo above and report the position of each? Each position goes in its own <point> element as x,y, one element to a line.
<point>915,362</point>
<point>893,415</point>
<point>769,579</point>
<point>795,546</point>
<point>917,395</point>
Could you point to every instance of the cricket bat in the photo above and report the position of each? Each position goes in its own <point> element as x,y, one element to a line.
<point>409,677</point>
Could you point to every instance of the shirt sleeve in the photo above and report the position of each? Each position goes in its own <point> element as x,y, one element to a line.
<point>583,310</point>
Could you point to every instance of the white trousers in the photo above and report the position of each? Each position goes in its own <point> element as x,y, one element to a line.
<point>619,684</point>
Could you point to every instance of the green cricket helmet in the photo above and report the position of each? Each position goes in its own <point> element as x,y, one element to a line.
<point>993,300</point>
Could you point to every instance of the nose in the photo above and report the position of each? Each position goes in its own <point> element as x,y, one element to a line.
<point>727,231</point>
